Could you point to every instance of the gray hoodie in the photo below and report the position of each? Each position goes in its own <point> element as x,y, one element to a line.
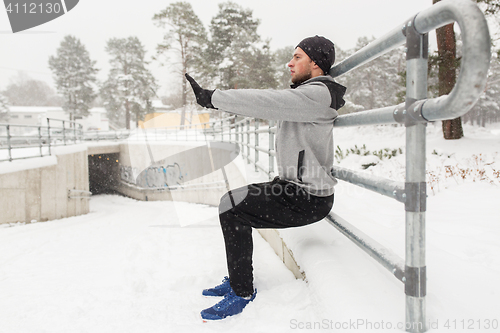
<point>304,138</point>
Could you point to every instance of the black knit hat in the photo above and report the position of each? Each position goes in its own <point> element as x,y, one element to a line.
<point>320,50</point>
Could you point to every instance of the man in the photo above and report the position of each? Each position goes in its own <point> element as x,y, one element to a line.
<point>303,192</point>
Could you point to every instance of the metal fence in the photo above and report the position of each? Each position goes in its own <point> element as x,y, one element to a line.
<point>28,141</point>
<point>414,114</point>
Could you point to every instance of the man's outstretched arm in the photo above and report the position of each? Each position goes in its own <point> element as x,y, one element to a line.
<point>309,103</point>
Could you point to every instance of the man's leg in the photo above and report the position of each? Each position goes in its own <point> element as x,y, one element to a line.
<point>277,204</point>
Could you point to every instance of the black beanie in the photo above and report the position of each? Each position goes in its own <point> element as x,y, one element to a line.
<point>320,50</point>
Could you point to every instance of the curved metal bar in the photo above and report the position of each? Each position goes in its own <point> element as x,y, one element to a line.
<point>471,81</point>
<point>476,55</point>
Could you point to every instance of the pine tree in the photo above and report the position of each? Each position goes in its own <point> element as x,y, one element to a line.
<point>281,59</point>
<point>487,108</point>
<point>130,85</point>
<point>187,36</point>
<point>375,84</point>
<point>75,76</point>
<point>238,57</point>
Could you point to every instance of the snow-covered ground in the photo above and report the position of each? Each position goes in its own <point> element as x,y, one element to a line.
<point>129,266</point>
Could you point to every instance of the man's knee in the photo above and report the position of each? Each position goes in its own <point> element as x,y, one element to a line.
<point>233,198</point>
<point>225,203</point>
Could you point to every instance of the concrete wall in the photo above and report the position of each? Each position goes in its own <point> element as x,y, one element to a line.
<point>208,189</point>
<point>41,193</point>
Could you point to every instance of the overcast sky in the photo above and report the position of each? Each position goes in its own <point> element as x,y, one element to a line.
<point>285,22</point>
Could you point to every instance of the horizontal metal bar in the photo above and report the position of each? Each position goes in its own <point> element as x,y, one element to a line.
<point>387,187</point>
<point>371,51</point>
<point>384,256</point>
<point>24,158</point>
<point>20,125</point>
<point>370,117</point>
<point>264,130</point>
<point>264,150</point>
<point>16,146</point>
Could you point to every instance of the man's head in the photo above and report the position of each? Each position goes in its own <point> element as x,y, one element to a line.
<point>312,57</point>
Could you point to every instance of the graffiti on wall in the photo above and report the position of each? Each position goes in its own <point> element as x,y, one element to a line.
<point>153,176</point>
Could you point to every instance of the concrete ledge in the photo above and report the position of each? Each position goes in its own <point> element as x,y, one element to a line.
<point>97,148</point>
<point>282,251</point>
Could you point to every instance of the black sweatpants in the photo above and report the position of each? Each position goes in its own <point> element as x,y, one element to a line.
<point>277,204</point>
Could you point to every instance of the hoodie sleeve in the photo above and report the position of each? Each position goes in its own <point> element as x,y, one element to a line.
<point>307,103</point>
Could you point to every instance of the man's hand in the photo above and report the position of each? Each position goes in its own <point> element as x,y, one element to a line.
<point>203,96</point>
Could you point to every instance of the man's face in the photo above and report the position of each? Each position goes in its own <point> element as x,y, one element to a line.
<point>300,66</point>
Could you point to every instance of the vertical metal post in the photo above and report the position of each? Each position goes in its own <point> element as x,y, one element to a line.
<point>48,131</point>
<point>9,147</point>
<point>415,186</point>
<point>222,130</point>
<point>256,144</point>
<point>248,141</point>
<point>64,132</point>
<point>40,140</point>
<point>239,138</point>
<point>271,147</point>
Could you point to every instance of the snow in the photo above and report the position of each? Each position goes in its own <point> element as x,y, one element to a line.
<point>27,164</point>
<point>69,149</point>
<point>36,162</point>
<point>129,266</point>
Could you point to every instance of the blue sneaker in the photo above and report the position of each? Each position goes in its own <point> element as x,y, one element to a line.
<point>230,305</point>
<point>220,290</point>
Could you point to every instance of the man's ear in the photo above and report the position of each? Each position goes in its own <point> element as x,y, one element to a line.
<point>316,67</point>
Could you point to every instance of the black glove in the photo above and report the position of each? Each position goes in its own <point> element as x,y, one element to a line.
<point>203,96</point>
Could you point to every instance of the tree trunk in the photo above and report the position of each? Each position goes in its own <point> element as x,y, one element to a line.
<point>447,65</point>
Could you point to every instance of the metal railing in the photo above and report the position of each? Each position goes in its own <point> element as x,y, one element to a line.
<point>28,141</point>
<point>413,114</point>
